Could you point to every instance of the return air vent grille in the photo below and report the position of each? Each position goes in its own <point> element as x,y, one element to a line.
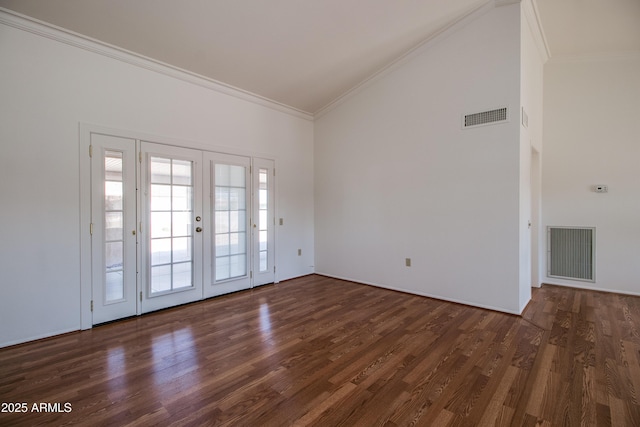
<point>571,253</point>
<point>485,117</point>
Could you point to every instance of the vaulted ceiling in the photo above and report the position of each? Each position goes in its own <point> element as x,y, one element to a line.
<point>306,53</point>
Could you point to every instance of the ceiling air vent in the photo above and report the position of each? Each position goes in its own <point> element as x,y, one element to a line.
<point>485,118</point>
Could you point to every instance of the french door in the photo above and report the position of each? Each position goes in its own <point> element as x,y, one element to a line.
<point>172,225</point>
<point>113,227</point>
<point>263,218</point>
<point>228,256</point>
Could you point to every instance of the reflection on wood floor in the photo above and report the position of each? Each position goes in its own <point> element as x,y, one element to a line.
<point>321,351</point>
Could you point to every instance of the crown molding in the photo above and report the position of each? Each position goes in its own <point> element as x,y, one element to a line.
<point>484,7</point>
<point>62,35</point>
<point>532,17</point>
<point>499,3</point>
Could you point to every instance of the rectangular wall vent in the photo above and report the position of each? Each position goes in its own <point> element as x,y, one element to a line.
<point>571,253</point>
<point>485,117</point>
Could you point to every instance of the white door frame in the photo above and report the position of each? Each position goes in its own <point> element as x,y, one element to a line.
<point>537,247</point>
<point>85,131</point>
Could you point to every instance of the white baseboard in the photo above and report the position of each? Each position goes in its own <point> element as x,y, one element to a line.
<point>423,294</point>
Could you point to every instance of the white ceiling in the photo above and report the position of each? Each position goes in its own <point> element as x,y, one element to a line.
<point>306,53</point>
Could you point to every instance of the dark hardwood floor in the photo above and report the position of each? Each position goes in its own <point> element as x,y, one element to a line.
<point>320,351</point>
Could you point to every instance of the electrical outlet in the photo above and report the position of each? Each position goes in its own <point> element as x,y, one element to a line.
<point>281,221</point>
<point>407,262</point>
<point>299,252</point>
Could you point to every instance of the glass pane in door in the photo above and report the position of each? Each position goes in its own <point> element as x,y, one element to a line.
<point>230,222</point>
<point>113,227</point>
<point>263,226</point>
<point>171,216</point>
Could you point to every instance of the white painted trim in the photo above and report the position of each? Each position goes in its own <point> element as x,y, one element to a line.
<point>426,44</point>
<point>37,337</point>
<point>537,31</point>
<point>62,35</point>
<point>523,306</point>
<point>276,225</point>
<point>596,57</point>
<point>177,142</point>
<point>423,294</point>
<point>588,288</point>
<point>499,3</point>
<point>86,320</point>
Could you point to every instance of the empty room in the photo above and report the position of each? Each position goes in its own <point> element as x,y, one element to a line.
<point>320,212</point>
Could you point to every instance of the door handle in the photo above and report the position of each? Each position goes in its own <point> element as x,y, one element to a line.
<point>198,229</point>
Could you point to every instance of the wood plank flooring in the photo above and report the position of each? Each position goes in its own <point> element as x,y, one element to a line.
<point>325,352</point>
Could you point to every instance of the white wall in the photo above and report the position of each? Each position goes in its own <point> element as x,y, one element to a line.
<point>533,56</point>
<point>396,177</point>
<point>591,136</point>
<point>47,88</point>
